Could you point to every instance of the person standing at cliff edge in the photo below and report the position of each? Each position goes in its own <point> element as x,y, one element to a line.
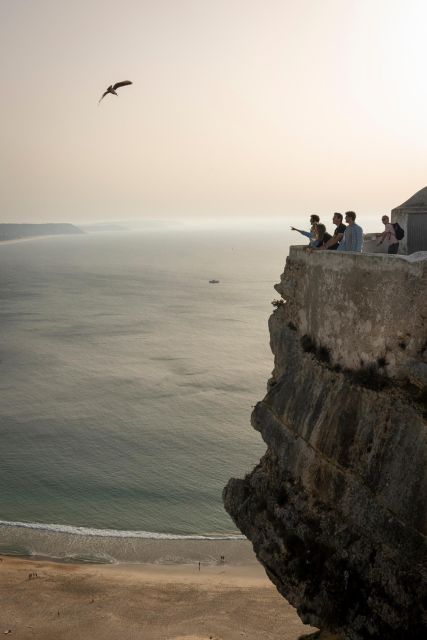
<point>389,236</point>
<point>314,220</point>
<point>334,242</point>
<point>353,235</point>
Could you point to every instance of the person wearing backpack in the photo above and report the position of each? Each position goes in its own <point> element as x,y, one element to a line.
<point>390,235</point>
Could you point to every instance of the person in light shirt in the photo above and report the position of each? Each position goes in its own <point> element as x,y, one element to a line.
<point>353,235</point>
<point>388,236</point>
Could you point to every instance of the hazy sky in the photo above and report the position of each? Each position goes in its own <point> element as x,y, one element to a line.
<point>238,107</point>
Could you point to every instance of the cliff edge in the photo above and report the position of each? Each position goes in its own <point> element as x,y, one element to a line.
<point>335,509</point>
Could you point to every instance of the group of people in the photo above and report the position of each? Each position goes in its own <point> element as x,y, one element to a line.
<point>346,237</point>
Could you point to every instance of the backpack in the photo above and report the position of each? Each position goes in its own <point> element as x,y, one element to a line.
<point>398,231</point>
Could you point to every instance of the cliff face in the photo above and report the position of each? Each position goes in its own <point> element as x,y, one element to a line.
<point>335,509</point>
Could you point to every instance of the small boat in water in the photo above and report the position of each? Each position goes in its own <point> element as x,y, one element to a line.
<point>213,281</point>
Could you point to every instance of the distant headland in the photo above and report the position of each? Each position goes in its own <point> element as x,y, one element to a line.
<point>20,231</point>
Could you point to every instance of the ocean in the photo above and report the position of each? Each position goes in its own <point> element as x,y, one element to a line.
<point>127,380</point>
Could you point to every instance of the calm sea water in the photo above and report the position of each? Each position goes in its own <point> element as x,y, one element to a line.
<point>127,380</point>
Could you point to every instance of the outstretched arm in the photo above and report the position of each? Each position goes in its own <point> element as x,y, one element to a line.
<point>307,234</point>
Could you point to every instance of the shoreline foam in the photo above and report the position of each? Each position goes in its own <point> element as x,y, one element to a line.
<point>115,533</point>
<point>64,544</point>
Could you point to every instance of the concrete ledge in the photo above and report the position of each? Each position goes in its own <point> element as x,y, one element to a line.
<point>298,252</point>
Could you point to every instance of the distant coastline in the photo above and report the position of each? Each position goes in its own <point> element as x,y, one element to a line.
<point>14,232</point>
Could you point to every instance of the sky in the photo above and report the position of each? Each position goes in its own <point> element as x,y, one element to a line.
<point>238,108</point>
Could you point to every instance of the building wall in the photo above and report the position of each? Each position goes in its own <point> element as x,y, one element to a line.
<point>416,232</point>
<point>414,223</point>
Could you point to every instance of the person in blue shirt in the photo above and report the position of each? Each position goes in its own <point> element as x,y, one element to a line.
<point>314,220</point>
<point>353,235</point>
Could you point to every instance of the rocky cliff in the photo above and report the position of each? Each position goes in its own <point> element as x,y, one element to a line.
<point>335,509</point>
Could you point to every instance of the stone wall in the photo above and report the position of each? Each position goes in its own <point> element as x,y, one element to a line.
<point>361,309</point>
<point>335,509</point>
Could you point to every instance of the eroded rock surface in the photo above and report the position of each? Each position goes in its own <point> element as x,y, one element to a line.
<point>335,509</point>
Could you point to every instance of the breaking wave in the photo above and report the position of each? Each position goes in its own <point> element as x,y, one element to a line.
<point>114,533</point>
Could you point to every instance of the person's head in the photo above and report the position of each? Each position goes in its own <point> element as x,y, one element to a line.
<point>350,217</point>
<point>385,219</point>
<point>337,218</point>
<point>320,231</point>
<point>314,219</point>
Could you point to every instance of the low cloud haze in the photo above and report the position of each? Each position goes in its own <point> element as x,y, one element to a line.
<point>237,109</point>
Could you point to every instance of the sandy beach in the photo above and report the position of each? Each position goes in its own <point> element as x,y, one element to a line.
<point>41,599</point>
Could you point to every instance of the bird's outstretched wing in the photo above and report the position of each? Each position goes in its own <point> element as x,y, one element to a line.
<point>121,84</point>
<point>103,96</point>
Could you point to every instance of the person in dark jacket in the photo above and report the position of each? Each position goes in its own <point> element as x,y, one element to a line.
<point>340,228</point>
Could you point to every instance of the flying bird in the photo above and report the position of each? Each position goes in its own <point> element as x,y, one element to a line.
<point>112,88</point>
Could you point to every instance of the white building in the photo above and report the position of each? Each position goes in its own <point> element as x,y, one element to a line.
<point>412,217</point>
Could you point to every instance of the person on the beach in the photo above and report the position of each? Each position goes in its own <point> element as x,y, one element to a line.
<point>334,241</point>
<point>389,236</point>
<point>353,235</point>
<point>314,220</point>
